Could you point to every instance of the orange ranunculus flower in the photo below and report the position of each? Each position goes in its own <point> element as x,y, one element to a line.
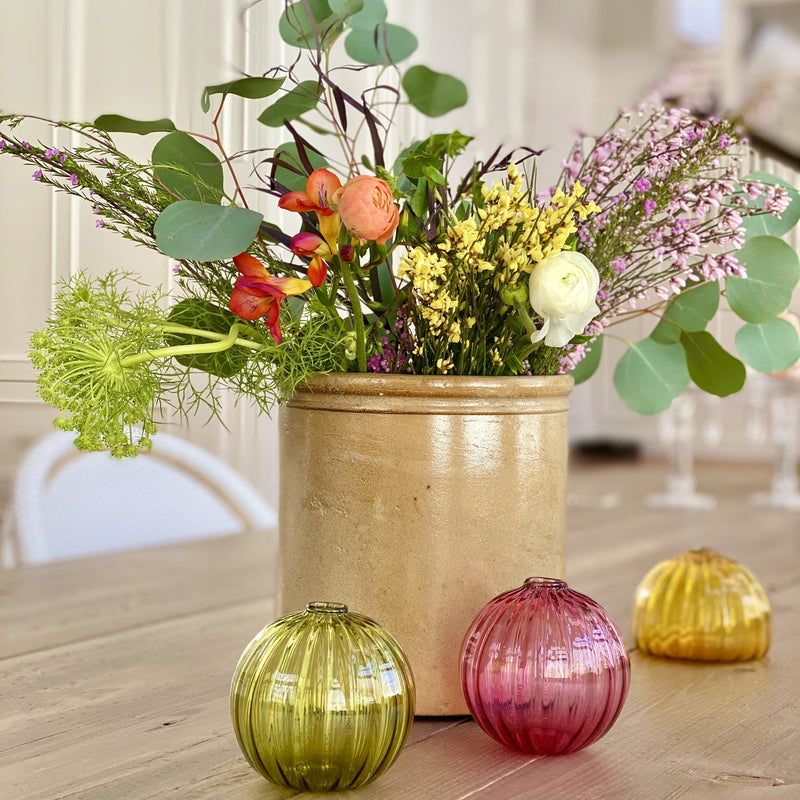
<point>367,209</point>
<point>321,185</point>
<point>258,294</point>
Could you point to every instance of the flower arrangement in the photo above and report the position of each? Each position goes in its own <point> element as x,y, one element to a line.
<point>413,263</point>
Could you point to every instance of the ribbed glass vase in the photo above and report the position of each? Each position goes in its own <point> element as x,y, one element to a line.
<point>322,700</point>
<point>702,606</point>
<point>544,669</point>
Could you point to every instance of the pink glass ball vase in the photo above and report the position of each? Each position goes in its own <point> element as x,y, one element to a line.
<point>544,669</point>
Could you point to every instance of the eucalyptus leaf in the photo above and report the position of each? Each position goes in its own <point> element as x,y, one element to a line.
<point>769,224</point>
<point>302,98</point>
<point>651,375</point>
<point>249,88</point>
<point>590,362</point>
<point>433,93</point>
<point>296,307</point>
<point>691,310</point>
<point>343,9</point>
<point>205,231</point>
<point>193,312</point>
<point>772,273</point>
<point>296,28</point>
<point>372,13</point>
<point>711,367</point>
<point>384,44</point>
<point>295,181</point>
<point>768,346</point>
<point>187,168</point>
<point>114,123</point>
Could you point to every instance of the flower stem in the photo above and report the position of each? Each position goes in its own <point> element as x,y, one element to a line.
<point>175,328</point>
<point>225,343</point>
<point>358,316</point>
<point>529,324</point>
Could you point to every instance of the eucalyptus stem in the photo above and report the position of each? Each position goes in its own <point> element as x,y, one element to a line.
<point>358,316</point>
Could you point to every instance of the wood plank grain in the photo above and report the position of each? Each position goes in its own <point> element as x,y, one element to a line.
<point>90,719</point>
<point>174,727</point>
<point>81,718</point>
<point>115,674</point>
<point>47,606</point>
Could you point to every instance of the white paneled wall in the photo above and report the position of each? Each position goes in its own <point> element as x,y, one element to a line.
<point>77,59</point>
<point>536,69</point>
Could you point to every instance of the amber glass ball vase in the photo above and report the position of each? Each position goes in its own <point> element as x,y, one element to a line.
<point>322,700</point>
<point>701,606</point>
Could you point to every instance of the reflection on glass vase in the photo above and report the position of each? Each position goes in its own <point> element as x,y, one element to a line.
<point>677,432</point>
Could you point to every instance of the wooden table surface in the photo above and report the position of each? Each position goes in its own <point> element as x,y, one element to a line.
<point>114,671</point>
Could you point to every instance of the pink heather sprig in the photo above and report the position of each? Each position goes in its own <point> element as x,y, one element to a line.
<point>667,184</point>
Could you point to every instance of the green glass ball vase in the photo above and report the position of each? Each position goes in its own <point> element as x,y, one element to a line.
<point>701,606</point>
<point>322,700</point>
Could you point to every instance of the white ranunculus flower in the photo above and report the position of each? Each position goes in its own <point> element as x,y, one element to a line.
<point>563,292</point>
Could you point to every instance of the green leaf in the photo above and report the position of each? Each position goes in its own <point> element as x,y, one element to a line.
<point>691,310</point>
<point>712,368</point>
<point>292,180</point>
<point>250,88</point>
<point>450,144</point>
<point>769,346</point>
<point>342,9</point>
<point>292,105</point>
<point>434,175</point>
<point>591,361</point>
<point>299,30</point>
<point>433,93</point>
<point>205,231</point>
<point>196,313</point>
<point>651,375</point>
<point>419,200</point>
<point>188,169</point>
<point>768,224</point>
<point>384,44</point>
<point>772,273</point>
<point>296,306</point>
<point>113,123</point>
<point>372,13</point>
<point>414,166</point>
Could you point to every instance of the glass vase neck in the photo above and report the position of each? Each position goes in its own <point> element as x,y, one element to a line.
<point>326,608</point>
<point>544,583</point>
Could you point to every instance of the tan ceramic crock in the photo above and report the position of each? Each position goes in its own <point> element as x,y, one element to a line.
<point>417,499</point>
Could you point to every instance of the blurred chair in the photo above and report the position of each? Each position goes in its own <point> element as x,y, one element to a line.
<point>68,504</point>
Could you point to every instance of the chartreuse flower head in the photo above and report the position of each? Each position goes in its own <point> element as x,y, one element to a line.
<point>108,359</point>
<point>85,365</point>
